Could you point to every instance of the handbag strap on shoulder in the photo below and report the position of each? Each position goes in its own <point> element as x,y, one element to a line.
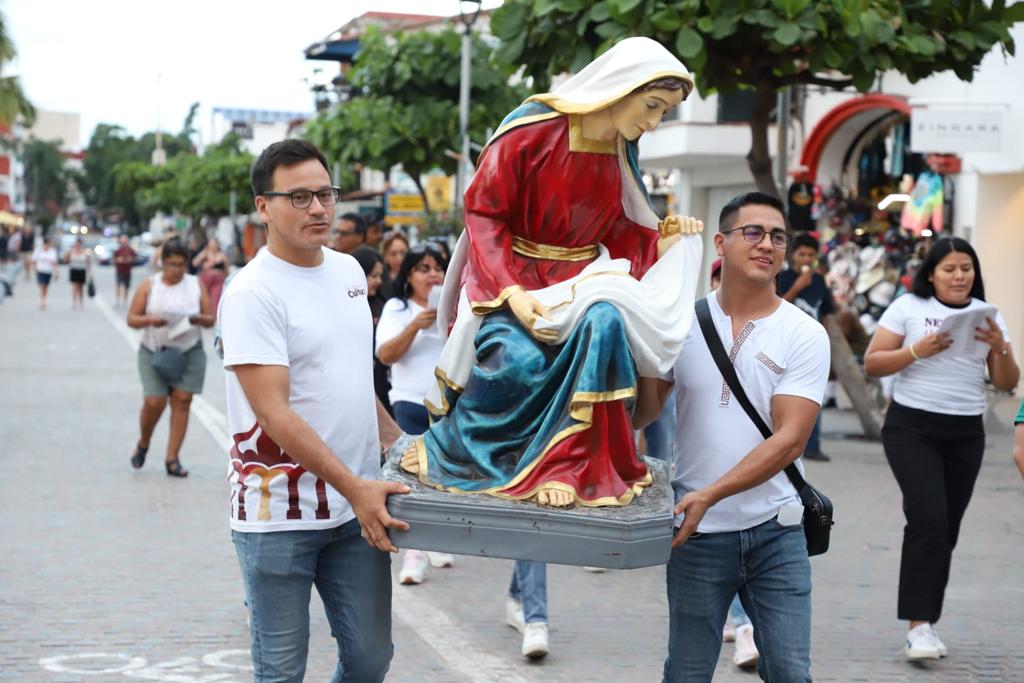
<point>725,366</point>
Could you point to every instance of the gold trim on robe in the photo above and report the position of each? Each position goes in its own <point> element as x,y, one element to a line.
<point>485,307</point>
<point>580,143</point>
<point>550,252</point>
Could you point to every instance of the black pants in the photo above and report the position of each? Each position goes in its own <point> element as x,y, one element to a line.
<point>936,459</point>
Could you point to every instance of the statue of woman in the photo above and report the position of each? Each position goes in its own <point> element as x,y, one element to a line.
<point>566,291</point>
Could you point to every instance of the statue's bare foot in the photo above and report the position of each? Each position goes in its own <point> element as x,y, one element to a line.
<point>555,498</point>
<point>410,461</point>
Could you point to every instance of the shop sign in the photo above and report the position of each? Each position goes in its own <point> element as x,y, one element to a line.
<point>405,203</point>
<point>956,130</point>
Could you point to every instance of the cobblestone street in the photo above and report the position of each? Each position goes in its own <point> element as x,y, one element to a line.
<point>108,574</point>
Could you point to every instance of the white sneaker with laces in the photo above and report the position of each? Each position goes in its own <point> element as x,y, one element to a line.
<point>414,568</point>
<point>921,643</point>
<point>746,651</point>
<point>729,630</point>
<point>514,614</point>
<point>939,645</point>
<point>535,640</point>
<point>440,560</point>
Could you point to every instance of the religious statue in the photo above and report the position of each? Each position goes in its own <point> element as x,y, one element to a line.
<point>564,292</point>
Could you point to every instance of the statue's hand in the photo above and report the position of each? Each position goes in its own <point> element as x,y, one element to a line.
<point>527,309</point>
<point>673,228</point>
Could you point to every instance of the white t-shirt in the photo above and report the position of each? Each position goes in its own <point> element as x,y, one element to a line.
<point>316,322</point>
<point>943,383</point>
<point>44,260</point>
<point>413,374</point>
<point>786,353</point>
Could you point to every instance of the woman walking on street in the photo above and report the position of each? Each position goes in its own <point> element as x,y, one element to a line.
<point>79,271</point>
<point>213,270</point>
<point>44,259</point>
<point>169,307</point>
<point>408,341</point>
<point>934,433</point>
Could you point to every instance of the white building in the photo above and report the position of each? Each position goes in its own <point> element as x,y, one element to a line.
<point>258,128</point>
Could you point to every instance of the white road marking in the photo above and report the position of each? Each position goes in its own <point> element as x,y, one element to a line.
<point>66,664</point>
<point>420,614</point>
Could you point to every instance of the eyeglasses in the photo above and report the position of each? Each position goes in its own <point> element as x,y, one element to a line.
<point>754,233</point>
<point>301,199</point>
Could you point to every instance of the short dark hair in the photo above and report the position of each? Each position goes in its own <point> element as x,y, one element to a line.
<point>283,153</point>
<point>924,288</point>
<point>729,211</point>
<point>367,257</point>
<point>358,222</point>
<point>174,247</point>
<point>804,240</point>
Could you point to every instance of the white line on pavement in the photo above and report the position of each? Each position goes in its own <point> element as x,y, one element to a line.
<point>453,644</point>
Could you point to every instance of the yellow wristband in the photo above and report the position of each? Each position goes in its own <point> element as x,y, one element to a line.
<point>914,353</point>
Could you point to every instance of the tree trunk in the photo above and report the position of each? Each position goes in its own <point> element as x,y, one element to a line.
<point>851,376</point>
<point>759,159</point>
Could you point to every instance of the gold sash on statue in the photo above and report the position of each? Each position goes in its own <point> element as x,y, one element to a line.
<point>553,253</point>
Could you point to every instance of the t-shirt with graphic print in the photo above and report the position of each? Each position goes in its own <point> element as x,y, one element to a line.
<point>815,299</point>
<point>943,383</point>
<point>785,353</point>
<point>316,322</point>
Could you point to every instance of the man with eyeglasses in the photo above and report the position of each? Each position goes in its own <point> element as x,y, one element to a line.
<point>349,234</point>
<point>307,429</point>
<point>738,516</point>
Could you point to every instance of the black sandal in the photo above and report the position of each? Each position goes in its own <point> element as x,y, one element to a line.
<point>174,469</point>
<point>139,457</point>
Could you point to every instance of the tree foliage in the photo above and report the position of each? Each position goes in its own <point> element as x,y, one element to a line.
<point>46,180</point>
<point>763,45</point>
<point>13,101</point>
<point>408,112</point>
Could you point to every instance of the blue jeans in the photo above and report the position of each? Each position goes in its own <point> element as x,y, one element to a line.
<point>354,582</point>
<point>661,434</point>
<point>530,587</point>
<point>738,614</point>
<point>411,417</point>
<point>814,442</point>
<point>768,566</point>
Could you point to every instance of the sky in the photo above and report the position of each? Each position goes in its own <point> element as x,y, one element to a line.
<point>102,58</point>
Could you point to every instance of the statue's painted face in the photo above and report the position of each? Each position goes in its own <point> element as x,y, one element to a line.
<point>642,111</point>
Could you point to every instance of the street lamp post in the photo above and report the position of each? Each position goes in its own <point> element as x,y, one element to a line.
<point>469,10</point>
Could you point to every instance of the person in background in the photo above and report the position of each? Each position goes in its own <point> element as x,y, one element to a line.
<point>374,234</point>
<point>44,259</point>
<point>394,248</point>
<point>159,308</point>
<point>409,342</point>
<point>124,260</point>
<point>28,247</point>
<point>212,263</point>
<point>804,287</point>
<point>14,264</point>
<point>349,234</point>
<point>934,433</point>
<point>79,272</point>
<point>195,248</point>
<point>372,264</point>
<point>5,283</point>
<point>1018,439</point>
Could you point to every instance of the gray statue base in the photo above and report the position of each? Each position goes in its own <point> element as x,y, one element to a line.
<point>634,535</point>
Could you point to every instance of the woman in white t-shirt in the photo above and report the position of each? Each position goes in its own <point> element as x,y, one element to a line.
<point>44,259</point>
<point>934,433</point>
<point>408,341</point>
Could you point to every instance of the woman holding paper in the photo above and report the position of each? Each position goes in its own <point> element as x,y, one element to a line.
<point>934,434</point>
<point>169,308</point>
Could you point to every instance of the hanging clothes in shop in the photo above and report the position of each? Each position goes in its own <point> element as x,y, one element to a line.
<point>801,199</point>
<point>925,209</point>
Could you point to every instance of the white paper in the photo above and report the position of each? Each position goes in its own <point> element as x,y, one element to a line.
<point>434,297</point>
<point>178,328</point>
<point>961,329</point>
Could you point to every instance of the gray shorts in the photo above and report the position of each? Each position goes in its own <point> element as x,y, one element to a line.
<point>191,381</point>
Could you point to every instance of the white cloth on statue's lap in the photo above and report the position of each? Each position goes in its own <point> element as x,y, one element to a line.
<point>943,383</point>
<point>785,353</point>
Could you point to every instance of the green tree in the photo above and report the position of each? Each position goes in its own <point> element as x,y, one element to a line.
<point>46,180</point>
<point>763,45</point>
<point>408,111</point>
<point>13,101</point>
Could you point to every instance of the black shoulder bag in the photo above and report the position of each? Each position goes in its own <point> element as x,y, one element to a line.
<point>817,507</point>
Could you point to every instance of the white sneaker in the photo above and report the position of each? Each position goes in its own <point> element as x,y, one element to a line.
<point>535,640</point>
<point>729,630</point>
<point>595,570</point>
<point>440,560</point>
<point>922,643</point>
<point>514,614</point>
<point>414,568</point>
<point>746,651</point>
<point>939,645</point>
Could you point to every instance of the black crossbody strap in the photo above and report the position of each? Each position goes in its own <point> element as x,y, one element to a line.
<point>725,366</point>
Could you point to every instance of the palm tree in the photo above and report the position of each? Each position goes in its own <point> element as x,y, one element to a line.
<point>13,102</point>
